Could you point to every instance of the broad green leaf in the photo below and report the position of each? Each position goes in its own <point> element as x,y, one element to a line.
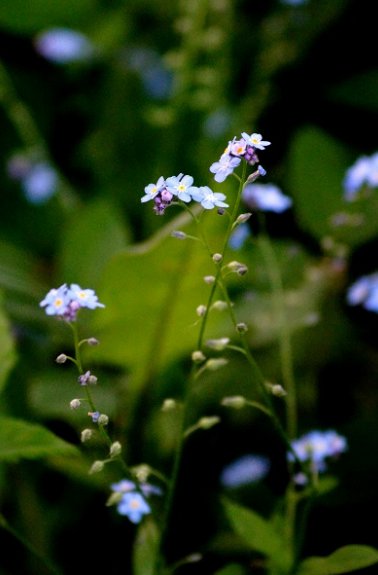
<point>31,16</point>
<point>232,569</point>
<point>359,91</point>
<point>92,236</point>
<point>7,351</point>
<point>145,548</point>
<point>259,534</point>
<point>23,440</point>
<point>315,172</point>
<point>344,560</point>
<point>151,292</point>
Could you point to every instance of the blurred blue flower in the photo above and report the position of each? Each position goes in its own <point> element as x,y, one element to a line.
<point>217,123</point>
<point>238,236</point>
<point>317,446</point>
<point>39,181</point>
<point>156,78</point>
<point>266,197</point>
<point>364,291</point>
<point>134,506</point>
<point>245,470</point>
<point>63,46</point>
<point>364,172</point>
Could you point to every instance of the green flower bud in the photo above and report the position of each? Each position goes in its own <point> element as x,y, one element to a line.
<point>201,310</point>
<point>86,435</point>
<point>235,401</point>
<point>218,344</point>
<point>169,405</point>
<point>215,363</point>
<point>103,419</point>
<point>198,356</point>
<point>115,449</point>
<point>207,422</point>
<point>241,327</point>
<point>96,467</point>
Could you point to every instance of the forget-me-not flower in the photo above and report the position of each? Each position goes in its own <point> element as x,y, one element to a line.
<point>316,447</point>
<point>364,172</point>
<point>66,301</point>
<point>266,197</point>
<point>245,470</point>
<point>180,186</point>
<point>364,291</point>
<point>134,506</point>
<point>224,167</point>
<point>38,179</point>
<point>63,46</point>
<point>209,199</point>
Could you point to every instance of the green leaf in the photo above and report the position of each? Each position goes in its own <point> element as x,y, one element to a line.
<point>151,292</point>
<point>7,351</point>
<point>232,569</point>
<point>23,440</point>
<point>316,169</point>
<point>91,238</point>
<point>145,548</point>
<point>259,534</point>
<point>344,560</point>
<point>359,91</point>
<point>30,16</point>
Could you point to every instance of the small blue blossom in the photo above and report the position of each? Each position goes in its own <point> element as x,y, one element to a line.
<point>364,172</point>
<point>66,301</point>
<point>209,199</point>
<point>180,186</point>
<point>63,46</point>
<point>266,197</point>
<point>245,470</point>
<point>56,301</point>
<point>134,506</point>
<point>123,486</point>
<point>255,140</point>
<point>224,167</point>
<point>364,291</point>
<point>152,190</point>
<point>84,297</point>
<point>317,446</point>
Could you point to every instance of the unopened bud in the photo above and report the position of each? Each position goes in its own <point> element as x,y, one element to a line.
<point>198,356</point>
<point>179,235</point>
<point>207,422</point>
<point>92,380</point>
<point>115,449</point>
<point>142,472</point>
<point>221,211</point>
<point>241,327</point>
<point>219,305</point>
<point>75,403</point>
<point>235,401</point>
<point>276,389</point>
<point>237,267</point>
<point>243,218</point>
<point>217,258</point>
<point>209,279</point>
<point>96,467</point>
<point>169,405</point>
<point>201,310</point>
<point>215,363</point>
<point>103,419</point>
<point>62,358</point>
<point>92,341</point>
<point>86,435</point>
<point>218,344</point>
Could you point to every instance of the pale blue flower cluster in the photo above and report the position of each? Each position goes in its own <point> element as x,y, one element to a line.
<point>244,471</point>
<point>132,503</point>
<point>364,291</point>
<point>363,173</point>
<point>181,187</point>
<point>316,447</point>
<point>63,46</point>
<point>66,301</point>
<point>39,180</point>
<point>266,197</point>
<point>238,149</point>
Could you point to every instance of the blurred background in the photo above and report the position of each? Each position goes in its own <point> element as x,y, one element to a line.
<point>97,100</point>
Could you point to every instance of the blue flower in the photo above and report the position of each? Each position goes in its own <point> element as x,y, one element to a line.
<point>63,46</point>
<point>84,297</point>
<point>364,291</point>
<point>224,167</point>
<point>180,186</point>
<point>134,506</point>
<point>238,236</point>
<point>38,178</point>
<point>152,190</point>
<point>245,470</point>
<point>317,446</point>
<point>255,140</point>
<point>364,172</point>
<point>208,199</point>
<point>266,197</point>
<point>65,302</point>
